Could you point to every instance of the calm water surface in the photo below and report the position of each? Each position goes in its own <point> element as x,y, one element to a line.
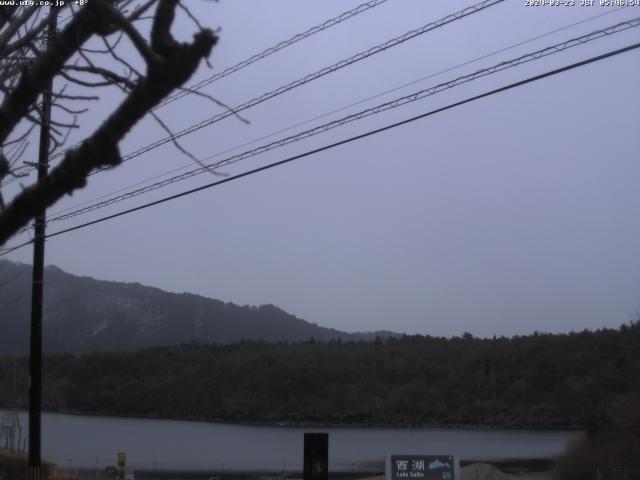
<point>83,441</point>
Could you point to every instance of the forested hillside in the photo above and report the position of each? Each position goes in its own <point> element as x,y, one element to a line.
<point>540,380</point>
<point>83,314</point>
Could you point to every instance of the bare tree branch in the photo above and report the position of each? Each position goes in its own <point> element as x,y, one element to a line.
<point>15,105</point>
<point>169,65</point>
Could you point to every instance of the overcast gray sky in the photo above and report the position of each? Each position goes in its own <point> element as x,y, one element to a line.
<point>514,213</point>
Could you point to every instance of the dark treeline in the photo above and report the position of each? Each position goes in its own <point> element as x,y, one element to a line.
<point>540,380</point>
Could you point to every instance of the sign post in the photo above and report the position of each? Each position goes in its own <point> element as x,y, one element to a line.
<point>122,461</point>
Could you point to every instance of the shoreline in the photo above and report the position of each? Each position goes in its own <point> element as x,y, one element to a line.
<point>315,424</point>
<point>513,466</point>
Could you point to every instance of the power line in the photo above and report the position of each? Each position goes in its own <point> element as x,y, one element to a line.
<point>313,76</point>
<point>421,94</point>
<point>7,251</point>
<point>345,107</point>
<point>318,74</point>
<point>254,58</point>
<point>276,48</point>
<point>357,116</point>
<point>348,140</point>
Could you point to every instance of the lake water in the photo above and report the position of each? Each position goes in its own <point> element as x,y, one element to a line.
<point>84,441</point>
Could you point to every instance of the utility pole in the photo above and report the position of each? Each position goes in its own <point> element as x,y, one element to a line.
<point>35,358</point>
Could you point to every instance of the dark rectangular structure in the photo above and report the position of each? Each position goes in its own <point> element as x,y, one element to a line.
<point>316,456</point>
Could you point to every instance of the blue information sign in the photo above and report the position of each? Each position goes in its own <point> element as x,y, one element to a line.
<point>422,467</point>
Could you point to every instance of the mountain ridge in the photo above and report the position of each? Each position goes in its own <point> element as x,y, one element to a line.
<point>84,314</point>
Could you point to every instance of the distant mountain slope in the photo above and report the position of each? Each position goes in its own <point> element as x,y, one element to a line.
<point>83,314</point>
